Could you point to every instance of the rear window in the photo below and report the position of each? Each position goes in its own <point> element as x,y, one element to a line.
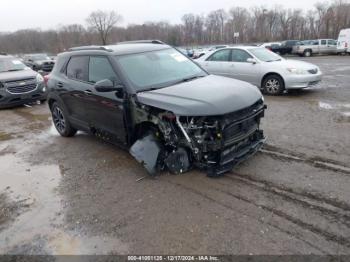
<point>78,68</point>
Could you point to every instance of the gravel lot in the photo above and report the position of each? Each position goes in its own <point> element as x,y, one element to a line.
<point>82,196</point>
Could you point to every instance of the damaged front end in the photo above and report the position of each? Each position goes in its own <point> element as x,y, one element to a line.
<point>212,143</point>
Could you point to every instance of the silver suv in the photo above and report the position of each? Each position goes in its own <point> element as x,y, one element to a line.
<point>320,46</point>
<point>19,84</point>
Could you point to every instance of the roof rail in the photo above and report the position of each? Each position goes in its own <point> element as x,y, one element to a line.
<point>90,47</point>
<point>142,42</point>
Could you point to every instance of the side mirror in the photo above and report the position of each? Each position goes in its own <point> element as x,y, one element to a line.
<point>30,60</point>
<point>251,60</point>
<point>107,85</point>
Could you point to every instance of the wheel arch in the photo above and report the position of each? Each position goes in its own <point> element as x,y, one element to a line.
<point>270,74</point>
<point>142,128</point>
<point>50,101</point>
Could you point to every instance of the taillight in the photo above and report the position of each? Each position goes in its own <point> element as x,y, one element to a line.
<point>46,79</point>
<point>346,45</point>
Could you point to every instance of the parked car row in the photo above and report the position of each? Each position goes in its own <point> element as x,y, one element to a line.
<point>316,47</point>
<point>173,112</point>
<point>312,47</point>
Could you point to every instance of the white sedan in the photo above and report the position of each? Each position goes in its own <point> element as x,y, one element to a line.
<point>270,72</point>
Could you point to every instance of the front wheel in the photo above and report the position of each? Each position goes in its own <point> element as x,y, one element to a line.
<point>307,53</point>
<point>273,85</point>
<point>61,122</point>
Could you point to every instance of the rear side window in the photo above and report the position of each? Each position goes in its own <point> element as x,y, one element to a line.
<point>240,56</point>
<point>332,42</point>
<point>100,69</point>
<point>323,42</point>
<point>222,56</point>
<point>78,67</point>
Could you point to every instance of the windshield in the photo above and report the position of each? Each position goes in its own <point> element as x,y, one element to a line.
<point>265,55</point>
<point>11,64</point>
<point>158,69</point>
<point>39,57</point>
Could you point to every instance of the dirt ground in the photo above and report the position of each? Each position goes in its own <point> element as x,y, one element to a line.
<point>82,196</point>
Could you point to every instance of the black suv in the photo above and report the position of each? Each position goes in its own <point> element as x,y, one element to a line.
<point>152,99</point>
<point>286,47</point>
<point>39,62</point>
<point>18,83</point>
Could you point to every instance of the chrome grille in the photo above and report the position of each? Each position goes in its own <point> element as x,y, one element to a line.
<point>21,86</point>
<point>48,66</point>
<point>21,89</point>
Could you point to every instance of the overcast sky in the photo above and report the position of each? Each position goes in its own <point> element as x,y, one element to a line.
<point>20,14</point>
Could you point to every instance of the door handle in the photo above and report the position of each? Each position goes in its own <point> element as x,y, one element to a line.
<point>60,84</point>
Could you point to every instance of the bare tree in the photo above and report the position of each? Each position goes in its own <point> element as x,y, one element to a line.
<point>257,24</point>
<point>238,22</point>
<point>103,22</point>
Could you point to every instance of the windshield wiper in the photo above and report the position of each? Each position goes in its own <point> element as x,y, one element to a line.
<point>187,79</point>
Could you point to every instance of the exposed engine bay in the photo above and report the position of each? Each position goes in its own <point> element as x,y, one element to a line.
<point>212,143</point>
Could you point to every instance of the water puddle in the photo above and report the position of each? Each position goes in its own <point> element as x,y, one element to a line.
<point>333,105</point>
<point>341,68</point>
<point>38,227</point>
<point>343,109</point>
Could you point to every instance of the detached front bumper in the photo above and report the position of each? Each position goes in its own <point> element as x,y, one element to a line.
<point>10,100</point>
<point>302,81</point>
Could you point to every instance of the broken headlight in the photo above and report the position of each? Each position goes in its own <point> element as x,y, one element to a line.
<point>201,129</point>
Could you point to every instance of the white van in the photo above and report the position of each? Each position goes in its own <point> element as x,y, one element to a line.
<point>344,41</point>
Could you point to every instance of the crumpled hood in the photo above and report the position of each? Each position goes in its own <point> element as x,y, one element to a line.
<point>17,75</point>
<point>286,63</point>
<point>210,95</point>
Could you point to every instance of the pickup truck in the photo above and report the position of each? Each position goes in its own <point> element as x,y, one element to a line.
<point>320,46</point>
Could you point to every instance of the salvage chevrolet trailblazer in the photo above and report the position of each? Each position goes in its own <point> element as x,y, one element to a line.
<point>150,98</point>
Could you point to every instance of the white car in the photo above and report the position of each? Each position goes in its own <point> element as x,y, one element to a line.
<point>259,66</point>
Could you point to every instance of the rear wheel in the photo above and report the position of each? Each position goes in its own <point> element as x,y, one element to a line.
<point>61,122</point>
<point>273,85</point>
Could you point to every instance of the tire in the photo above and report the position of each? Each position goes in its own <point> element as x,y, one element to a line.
<point>61,122</point>
<point>273,85</point>
<point>307,53</point>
